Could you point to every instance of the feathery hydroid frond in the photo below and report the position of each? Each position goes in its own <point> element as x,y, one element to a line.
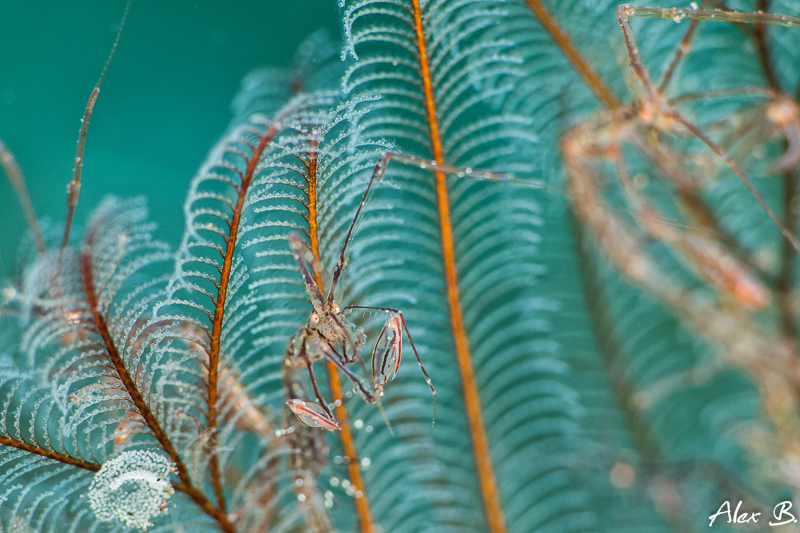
<point>299,169</point>
<point>93,355</point>
<point>443,76</point>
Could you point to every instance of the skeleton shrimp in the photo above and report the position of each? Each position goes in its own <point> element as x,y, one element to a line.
<point>699,242</point>
<point>330,334</point>
<point>706,248</point>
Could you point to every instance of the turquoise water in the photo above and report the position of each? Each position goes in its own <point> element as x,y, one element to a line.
<point>164,102</point>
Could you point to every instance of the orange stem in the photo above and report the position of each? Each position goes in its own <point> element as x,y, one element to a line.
<point>50,454</point>
<point>480,441</point>
<point>99,321</point>
<point>348,442</point>
<point>562,40</point>
<point>219,313</point>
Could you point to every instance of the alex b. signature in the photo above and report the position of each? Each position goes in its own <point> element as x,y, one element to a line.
<point>780,512</point>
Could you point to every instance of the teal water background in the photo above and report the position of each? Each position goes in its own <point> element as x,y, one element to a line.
<point>164,103</point>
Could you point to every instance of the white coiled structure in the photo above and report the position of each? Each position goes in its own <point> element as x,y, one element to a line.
<point>132,488</point>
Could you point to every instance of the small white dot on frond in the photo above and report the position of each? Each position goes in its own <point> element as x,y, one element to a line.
<point>132,488</point>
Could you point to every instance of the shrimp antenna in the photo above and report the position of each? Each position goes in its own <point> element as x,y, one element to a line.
<point>74,186</point>
<point>14,175</point>
<point>385,418</point>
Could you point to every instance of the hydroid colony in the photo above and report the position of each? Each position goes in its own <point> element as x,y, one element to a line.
<point>145,384</point>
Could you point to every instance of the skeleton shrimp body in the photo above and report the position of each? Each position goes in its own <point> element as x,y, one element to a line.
<point>696,239</point>
<point>584,147</point>
<point>330,334</point>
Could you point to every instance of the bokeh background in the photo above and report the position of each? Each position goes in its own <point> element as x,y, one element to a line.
<point>164,103</point>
